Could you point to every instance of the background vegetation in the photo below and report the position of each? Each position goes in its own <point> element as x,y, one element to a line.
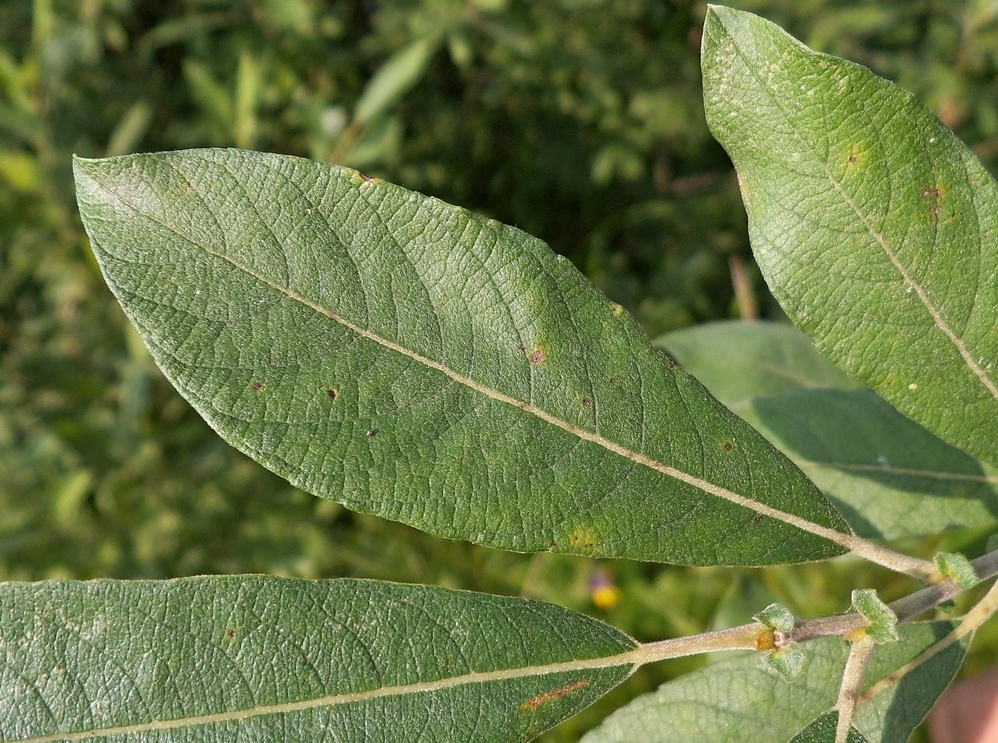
<point>579,121</point>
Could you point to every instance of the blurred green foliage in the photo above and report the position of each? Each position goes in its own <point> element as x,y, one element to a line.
<point>579,121</point>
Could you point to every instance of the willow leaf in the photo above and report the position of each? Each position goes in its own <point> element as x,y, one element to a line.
<point>875,227</point>
<point>886,474</point>
<point>744,700</point>
<point>410,359</point>
<point>270,659</point>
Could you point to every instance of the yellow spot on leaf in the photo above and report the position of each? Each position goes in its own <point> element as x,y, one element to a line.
<point>583,539</point>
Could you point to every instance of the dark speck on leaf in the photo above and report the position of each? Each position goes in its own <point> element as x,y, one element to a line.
<point>372,432</point>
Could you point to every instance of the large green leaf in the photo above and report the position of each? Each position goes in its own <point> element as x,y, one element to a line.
<point>874,226</point>
<point>889,476</point>
<point>270,659</point>
<point>743,700</point>
<point>411,359</point>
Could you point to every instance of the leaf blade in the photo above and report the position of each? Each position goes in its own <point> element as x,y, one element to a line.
<point>874,226</point>
<point>334,328</point>
<point>759,707</point>
<point>887,475</point>
<point>262,656</point>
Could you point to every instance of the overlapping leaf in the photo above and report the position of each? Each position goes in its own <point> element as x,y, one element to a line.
<point>268,659</point>
<point>743,700</point>
<point>413,360</point>
<point>875,227</point>
<point>889,476</point>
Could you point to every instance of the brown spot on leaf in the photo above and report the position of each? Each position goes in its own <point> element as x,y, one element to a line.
<point>536,356</point>
<point>333,394</point>
<point>587,402</point>
<point>535,702</point>
<point>728,446</point>
<point>256,386</point>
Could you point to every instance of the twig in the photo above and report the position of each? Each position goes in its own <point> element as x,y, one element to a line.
<point>852,682</point>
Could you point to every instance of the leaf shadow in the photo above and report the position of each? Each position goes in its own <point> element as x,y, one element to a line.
<point>856,434</point>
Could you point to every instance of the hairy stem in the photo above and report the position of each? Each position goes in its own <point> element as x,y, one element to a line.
<point>982,611</point>
<point>753,636</point>
<point>852,682</point>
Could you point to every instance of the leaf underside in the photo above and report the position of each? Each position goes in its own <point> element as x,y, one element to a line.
<point>875,227</point>
<point>413,360</point>
<point>889,476</point>
<point>744,700</point>
<point>270,659</point>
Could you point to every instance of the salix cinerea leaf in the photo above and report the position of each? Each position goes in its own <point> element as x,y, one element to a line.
<point>889,476</point>
<point>271,659</point>
<point>413,360</point>
<point>760,707</point>
<point>874,226</point>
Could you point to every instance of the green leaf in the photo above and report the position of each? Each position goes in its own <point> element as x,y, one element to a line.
<point>739,360</point>
<point>396,77</point>
<point>260,658</point>
<point>876,229</point>
<point>413,360</point>
<point>743,700</point>
<point>888,475</point>
<point>823,730</point>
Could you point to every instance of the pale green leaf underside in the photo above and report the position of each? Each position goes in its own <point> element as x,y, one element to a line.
<point>743,700</point>
<point>413,360</point>
<point>270,659</point>
<point>737,360</point>
<point>889,476</point>
<point>874,226</point>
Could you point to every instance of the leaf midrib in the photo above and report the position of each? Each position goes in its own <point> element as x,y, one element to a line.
<point>634,657</point>
<point>920,292</point>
